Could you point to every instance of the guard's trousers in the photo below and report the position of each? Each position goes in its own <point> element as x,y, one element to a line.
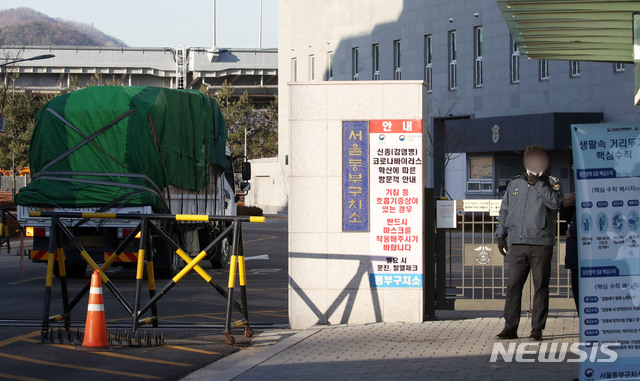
<point>522,259</point>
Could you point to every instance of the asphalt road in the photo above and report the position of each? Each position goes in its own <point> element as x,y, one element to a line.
<point>191,317</point>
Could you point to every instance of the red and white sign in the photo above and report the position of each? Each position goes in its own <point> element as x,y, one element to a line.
<point>396,203</point>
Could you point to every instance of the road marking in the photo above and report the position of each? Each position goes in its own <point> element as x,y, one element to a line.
<point>12,340</point>
<point>263,289</point>
<point>164,317</point>
<point>78,367</point>
<point>262,271</point>
<point>257,257</point>
<point>25,281</point>
<point>181,348</point>
<point>143,359</point>
<point>119,355</point>
<point>19,378</point>
<point>269,313</point>
<point>260,239</point>
<point>210,316</point>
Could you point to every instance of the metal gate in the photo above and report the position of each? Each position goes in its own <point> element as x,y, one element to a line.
<point>477,274</point>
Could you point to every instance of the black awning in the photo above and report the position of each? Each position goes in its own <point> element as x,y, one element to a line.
<point>514,133</point>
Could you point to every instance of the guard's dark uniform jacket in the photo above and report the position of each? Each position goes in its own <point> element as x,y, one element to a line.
<point>528,213</point>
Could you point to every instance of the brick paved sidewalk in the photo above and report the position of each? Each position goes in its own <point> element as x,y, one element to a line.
<point>456,347</point>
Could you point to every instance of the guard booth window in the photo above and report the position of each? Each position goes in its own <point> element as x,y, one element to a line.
<point>480,170</point>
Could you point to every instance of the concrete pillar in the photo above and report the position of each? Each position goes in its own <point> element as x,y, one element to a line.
<point>328,268</point>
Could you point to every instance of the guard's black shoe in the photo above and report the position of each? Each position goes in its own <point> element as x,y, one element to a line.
<point>536,335</point>
<point>507,334</point>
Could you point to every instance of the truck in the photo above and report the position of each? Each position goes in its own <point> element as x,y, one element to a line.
<point>137,150</point>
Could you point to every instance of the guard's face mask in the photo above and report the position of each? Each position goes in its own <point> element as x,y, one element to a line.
<point>536,162</point>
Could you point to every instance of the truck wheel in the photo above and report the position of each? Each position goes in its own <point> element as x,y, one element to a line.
<point>166,262</point>
<point>221,254</point>
<point>74,269</point>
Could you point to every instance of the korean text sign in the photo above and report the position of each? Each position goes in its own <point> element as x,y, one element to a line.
<point>396,203</point>
<point>355,176</point>
<point>607,172</point>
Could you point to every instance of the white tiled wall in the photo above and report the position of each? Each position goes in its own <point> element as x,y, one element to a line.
<point>328,269</point>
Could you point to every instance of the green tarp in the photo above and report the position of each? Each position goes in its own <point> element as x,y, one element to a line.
<point>118,146</point>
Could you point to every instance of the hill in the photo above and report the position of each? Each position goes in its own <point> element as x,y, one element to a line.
<point>25,26</point>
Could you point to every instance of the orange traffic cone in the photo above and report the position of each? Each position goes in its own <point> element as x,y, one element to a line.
<point>95,330</point>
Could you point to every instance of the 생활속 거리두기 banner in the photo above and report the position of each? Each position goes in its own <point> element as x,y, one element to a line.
<point>607,173</point>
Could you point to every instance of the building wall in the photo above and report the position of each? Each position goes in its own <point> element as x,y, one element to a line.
<point>338,26</point>
<point>249,70</point>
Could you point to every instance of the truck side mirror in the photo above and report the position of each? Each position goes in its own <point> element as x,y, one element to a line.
<point>246,171</point>
<point>245,187</point>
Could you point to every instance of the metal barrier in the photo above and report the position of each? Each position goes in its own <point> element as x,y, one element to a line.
<point>137,310</point>
<point>476,271</point>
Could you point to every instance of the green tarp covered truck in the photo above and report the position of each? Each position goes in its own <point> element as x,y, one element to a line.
<point>129,150</point>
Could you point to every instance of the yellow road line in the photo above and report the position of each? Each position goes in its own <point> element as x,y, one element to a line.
<point>25,280</point>
<point>213,317</point>
<point>136,358</point>
<point>19,378</point>
<point>181,348</point>
<point>268,314</point>
<point>260,239</point>
<point>119,355</point>
<point>272,311</point>
<point>78,367</point>
<point>163,317</point>
<point>15,339</point>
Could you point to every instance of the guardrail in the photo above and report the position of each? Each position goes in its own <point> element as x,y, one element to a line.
<point>144,227</point>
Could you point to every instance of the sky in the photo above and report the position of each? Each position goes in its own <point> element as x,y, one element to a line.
<point>162,23</point>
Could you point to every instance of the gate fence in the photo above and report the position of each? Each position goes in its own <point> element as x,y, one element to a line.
<point>477,274</point>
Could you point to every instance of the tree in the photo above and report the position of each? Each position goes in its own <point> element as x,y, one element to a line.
<point>95,80</point>
<point>19,109</point>
<point>240,115</point>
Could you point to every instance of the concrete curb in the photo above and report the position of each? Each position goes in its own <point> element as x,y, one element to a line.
<point>240,362</point>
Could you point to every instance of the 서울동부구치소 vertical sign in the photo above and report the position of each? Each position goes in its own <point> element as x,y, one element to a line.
<point>355,176</point>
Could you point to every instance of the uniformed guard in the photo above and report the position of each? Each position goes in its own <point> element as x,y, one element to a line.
<point>528,221</point>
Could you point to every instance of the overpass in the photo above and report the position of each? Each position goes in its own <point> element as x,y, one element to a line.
<point>253,70</point>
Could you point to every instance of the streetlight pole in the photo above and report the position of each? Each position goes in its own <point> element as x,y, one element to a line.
<point>246,130</point>
<point>260,32</point>
<point>40,57</point>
